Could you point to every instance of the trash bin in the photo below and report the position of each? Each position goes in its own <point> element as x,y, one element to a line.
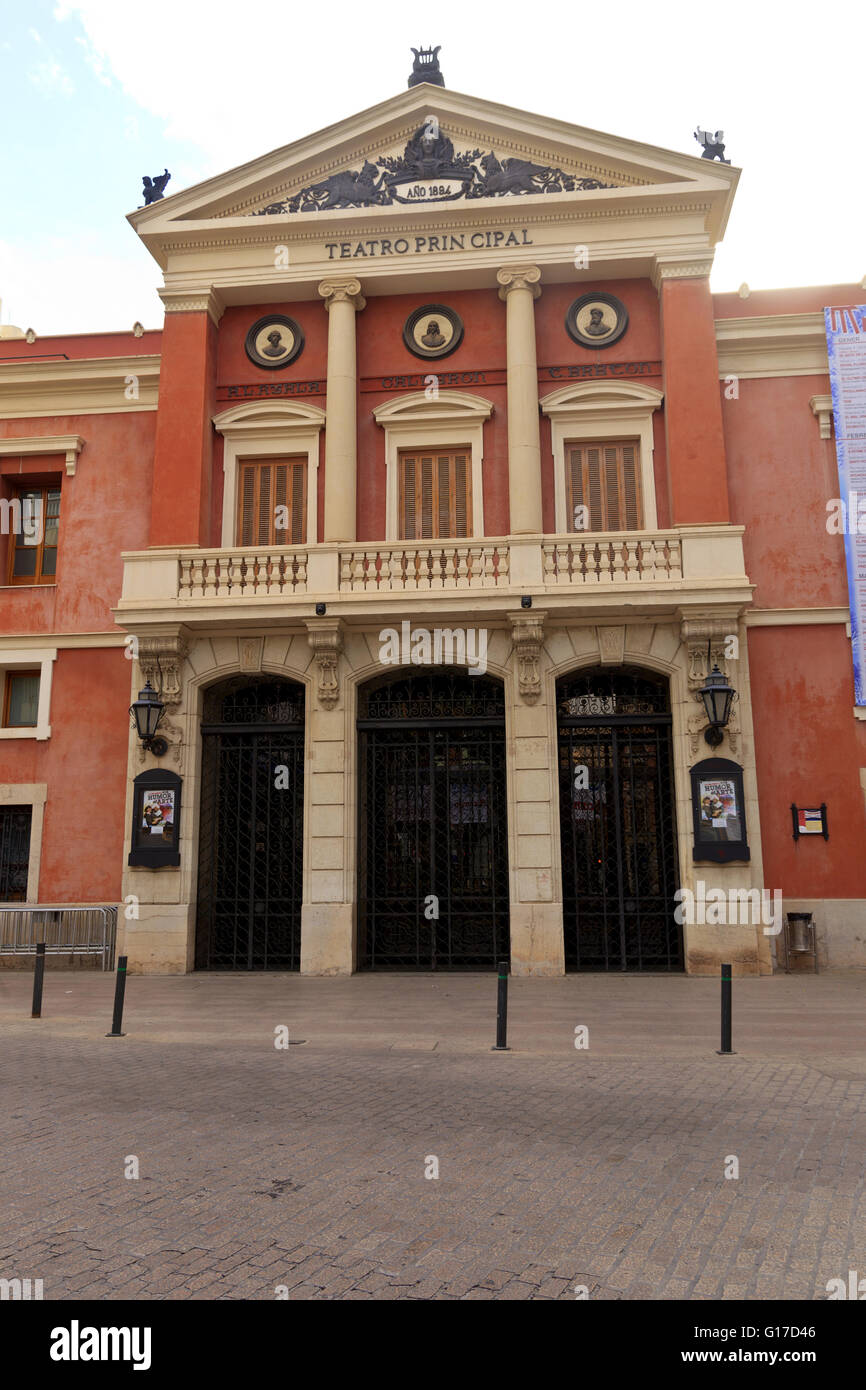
<point>799,938</point>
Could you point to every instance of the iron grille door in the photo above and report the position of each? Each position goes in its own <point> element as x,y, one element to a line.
<point>14,852</point>
<point>251,837</point>
<point>619,860</point>
<point>432,826</point>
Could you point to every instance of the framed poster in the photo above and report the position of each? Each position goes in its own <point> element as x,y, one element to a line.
<point>718,811</point>
<point>155,820</point>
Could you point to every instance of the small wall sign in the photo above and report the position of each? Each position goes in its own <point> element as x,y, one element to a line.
<point>719,812</point>
<point>810,820</point>
<point>155,820</point>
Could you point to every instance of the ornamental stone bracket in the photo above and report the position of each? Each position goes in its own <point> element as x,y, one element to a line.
<point>173,734</point>
<point>822,409</point>
<point>161,659</point>
<point>326,640</point>
<point>527,634</point>
<point>717,632</point>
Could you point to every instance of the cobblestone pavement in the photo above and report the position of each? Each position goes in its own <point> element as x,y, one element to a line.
<point>558,1168</point>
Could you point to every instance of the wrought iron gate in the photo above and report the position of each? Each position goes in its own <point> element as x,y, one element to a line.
<point>14,852</point>
<point>433,858</point>
<point>250,882</point>
<point>617,822</point>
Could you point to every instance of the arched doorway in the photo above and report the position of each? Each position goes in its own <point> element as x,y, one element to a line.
<point>432,823</point>
<point>617,821</point>
<point>251,836</point>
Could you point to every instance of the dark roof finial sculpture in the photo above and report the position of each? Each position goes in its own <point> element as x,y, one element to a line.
<point>714,147</point>
<point>154,189</point>
<point>425,67</point>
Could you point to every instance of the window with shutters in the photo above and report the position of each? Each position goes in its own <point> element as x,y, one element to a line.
<point>603,476</point>
<point>35,514</point>
<point>435,494</point>
<point>272,506</point>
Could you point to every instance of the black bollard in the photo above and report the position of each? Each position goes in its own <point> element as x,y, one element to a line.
<point>38,976</point>
<point>502,1009</point>
<point>726,1050</point>
<point>119,991</point>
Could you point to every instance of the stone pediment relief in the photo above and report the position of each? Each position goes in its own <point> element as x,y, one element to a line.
<point>430,170</point>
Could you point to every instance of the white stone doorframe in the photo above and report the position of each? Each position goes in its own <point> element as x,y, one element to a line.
<point>161,940</point>
<point>657,647</point>
<point>363,666</point>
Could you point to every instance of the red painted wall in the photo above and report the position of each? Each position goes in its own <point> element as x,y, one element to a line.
<point>808,748</point>
<point>80,345</point>
<point>104,510</point>
<point>183,455</point>
<point>83,764</point>
<point>781,474</point>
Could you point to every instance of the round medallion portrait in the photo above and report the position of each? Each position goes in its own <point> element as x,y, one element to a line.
<point>596,320</point>
<point>274,341</point>
<point>433,331</point>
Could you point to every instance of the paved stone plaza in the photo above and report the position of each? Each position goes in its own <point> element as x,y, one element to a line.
<point>305,1166</point>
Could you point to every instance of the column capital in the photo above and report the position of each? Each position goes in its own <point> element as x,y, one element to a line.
<point>519,277</point>
<point>341,290</point>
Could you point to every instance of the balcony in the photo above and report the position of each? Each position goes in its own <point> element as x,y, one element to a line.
<point>581,574</point>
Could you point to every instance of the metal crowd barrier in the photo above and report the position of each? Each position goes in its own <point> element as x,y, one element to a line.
<point>75,931</point>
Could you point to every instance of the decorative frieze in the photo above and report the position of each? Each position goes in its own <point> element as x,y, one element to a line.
<point>326,640</point>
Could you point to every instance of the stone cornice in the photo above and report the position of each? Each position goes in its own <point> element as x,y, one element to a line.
<point>769,345</point>
<point>68,444</point>
<point>83,386</point>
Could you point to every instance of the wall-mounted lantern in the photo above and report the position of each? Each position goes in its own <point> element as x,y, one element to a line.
<point>717,696</point>
<point>147,711</point>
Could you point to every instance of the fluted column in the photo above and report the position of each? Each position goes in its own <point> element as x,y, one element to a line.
<point>343,299</point>
<point>519,289</point>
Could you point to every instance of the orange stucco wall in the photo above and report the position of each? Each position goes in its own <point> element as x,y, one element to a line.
<point>104,510</point>
<point>781,476</point>
<point>809,749</point>
<point>83,764</point>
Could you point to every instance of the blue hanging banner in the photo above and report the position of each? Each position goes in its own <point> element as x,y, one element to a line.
<point>846,349</point>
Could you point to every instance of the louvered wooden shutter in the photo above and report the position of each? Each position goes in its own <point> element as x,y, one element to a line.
<point>605,478</point>
<point>435,496</point>
<point>265,485</point>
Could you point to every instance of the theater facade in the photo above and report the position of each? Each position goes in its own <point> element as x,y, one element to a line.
<point>435,516</point>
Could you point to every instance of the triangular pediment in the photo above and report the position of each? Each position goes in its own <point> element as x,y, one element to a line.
<point>437,149</point>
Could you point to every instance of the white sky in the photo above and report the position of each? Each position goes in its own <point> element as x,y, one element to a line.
<point>110,90</point>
